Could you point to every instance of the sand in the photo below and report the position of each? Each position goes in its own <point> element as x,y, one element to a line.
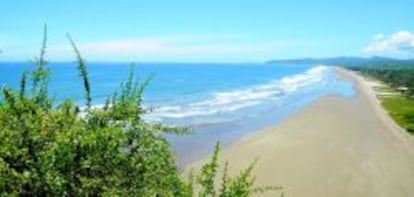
<point>334,147</point>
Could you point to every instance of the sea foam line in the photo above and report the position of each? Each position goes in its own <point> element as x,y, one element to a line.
<point>230,101</point>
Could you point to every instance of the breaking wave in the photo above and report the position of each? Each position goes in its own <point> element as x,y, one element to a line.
<point>239,99</point>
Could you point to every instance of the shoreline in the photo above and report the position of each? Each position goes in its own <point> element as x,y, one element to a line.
<point>394,127</point>
<point>334,147</point>
<point>283,97</point>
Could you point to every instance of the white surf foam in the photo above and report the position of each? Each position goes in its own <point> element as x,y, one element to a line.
<point>229,101</point>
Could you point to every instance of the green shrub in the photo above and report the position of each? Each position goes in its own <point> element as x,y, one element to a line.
<point>60,149</point>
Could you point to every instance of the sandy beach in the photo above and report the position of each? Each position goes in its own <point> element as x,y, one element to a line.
<point>334,147</point>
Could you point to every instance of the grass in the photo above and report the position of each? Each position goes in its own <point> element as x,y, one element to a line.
<point>401,110</point>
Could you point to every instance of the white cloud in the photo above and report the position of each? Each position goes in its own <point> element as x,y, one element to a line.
<point>399,42</point>
<point>178,47</point>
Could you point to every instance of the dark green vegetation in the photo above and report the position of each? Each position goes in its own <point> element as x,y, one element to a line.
<point>60,149</point>
<point>399,76</point>
<point>395,74</point>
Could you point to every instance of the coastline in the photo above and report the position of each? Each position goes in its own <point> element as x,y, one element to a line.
<point>334,147</point>
<point>369,86</point>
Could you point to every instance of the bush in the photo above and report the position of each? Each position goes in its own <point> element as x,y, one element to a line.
<point>60,149</point>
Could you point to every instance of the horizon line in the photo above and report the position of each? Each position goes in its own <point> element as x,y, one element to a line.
<point>216,62</point>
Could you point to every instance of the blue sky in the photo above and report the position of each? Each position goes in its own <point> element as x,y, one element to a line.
<point>212,31</point>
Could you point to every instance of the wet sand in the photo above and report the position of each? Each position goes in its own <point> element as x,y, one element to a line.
<point>334,147</point>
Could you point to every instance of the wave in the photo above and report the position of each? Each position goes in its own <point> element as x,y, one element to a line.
<point>234,100</point>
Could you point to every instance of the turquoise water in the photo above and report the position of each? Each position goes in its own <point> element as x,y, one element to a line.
<point>220,101</point>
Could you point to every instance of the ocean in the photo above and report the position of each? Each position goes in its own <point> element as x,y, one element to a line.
<point>221,102</point>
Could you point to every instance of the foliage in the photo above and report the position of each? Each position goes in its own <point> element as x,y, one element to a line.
<point>241,185</point>
<point>402,110</point>
<point>61,149</point>
<point>394,74</point>
<point>83,72</point>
